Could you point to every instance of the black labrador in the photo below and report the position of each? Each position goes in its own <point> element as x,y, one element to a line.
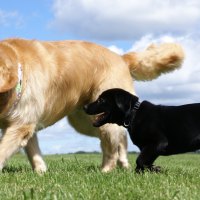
<point>155,129</point>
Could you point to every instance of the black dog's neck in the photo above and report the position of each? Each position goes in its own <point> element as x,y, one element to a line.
<point>131,114</point>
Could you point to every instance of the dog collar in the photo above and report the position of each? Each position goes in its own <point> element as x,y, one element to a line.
<point>18,88</point>
<point>132,114</point>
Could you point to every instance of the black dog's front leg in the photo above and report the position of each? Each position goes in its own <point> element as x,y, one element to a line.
<point>146,158</point>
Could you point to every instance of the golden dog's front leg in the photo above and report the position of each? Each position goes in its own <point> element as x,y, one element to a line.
<point>122,148</point>
<point>34,155</point>
<point>14,137</point>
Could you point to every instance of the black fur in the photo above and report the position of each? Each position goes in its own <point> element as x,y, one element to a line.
<point>155,129</point>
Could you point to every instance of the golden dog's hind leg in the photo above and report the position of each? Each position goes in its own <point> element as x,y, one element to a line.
<point>110,135</point>
<point>14,137</point>
<point>34,155</point>
<point>113,139</point>
<point>122,149</point>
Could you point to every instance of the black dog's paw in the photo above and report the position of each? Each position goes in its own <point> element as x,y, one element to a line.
<point>155,169</point>
<point>139,170</point>
<point>152,168</point>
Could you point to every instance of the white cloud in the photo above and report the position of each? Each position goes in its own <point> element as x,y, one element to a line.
<point>116,49</point>
<point>179,87</point>
<point>11,18</point>
<point>62,138</point>
<point>127,19</point>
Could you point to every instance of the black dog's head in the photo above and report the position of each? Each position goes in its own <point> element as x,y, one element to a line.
<point>112,106</point>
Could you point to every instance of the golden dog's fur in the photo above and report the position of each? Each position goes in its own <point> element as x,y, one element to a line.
<point>58,79</point>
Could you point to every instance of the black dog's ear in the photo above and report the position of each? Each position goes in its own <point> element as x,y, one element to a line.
<point>123,102</point>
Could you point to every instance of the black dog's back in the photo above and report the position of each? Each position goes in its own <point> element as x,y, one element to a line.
<point>181,125</point>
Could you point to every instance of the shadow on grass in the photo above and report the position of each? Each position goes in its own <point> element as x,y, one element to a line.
<point>13,169</point>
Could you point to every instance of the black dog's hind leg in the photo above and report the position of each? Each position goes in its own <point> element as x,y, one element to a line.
<point>149,154</point>
<point>146,158</point>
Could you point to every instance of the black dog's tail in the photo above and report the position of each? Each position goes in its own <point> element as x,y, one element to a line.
<point>154,61</point>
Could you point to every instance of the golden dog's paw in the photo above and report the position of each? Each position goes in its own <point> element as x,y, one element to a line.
<point>40,169</point>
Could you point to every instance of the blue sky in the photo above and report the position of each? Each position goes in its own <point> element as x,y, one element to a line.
<point>121,26</point>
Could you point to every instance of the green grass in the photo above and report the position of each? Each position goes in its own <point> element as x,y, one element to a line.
<point>77,176</point>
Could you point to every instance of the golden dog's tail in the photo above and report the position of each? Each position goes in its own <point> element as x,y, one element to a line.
<point>154,61</point>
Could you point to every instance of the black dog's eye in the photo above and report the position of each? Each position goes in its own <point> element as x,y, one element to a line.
<point>100,100</point>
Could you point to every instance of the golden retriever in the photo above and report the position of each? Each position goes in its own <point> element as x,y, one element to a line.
<point>41,82</point>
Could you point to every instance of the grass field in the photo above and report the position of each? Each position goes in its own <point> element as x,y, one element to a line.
<point>77,176</point>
